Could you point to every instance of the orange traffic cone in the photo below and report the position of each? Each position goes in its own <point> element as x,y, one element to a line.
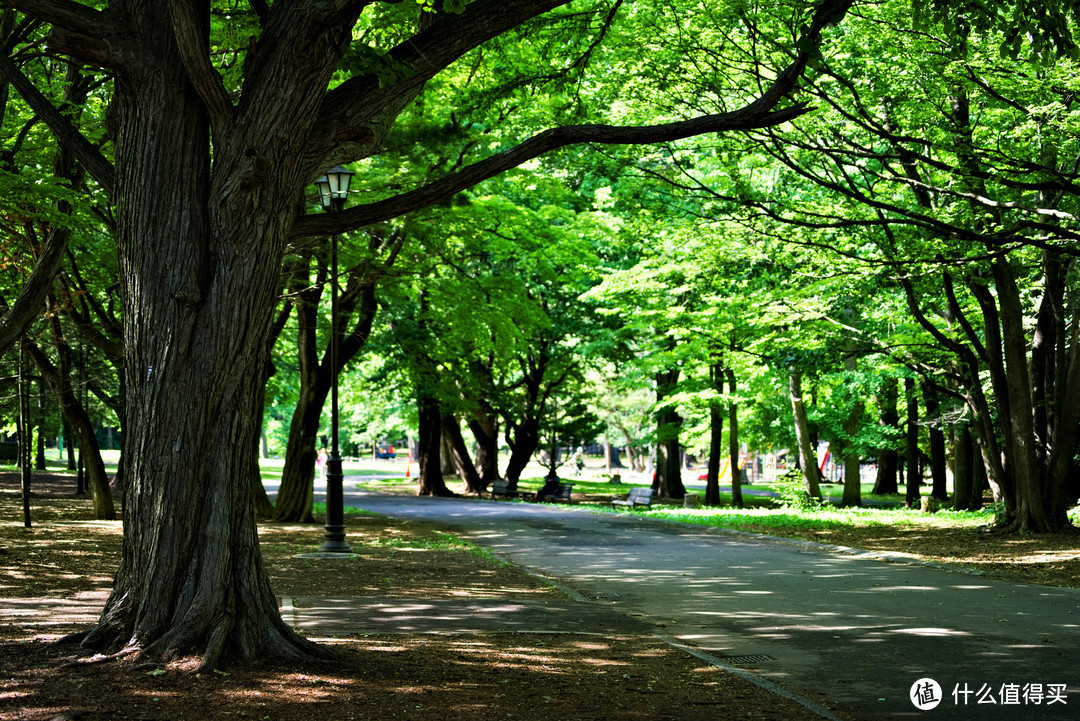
<point>408,470</point>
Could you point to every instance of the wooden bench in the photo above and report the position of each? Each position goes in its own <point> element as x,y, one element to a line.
<point>562,493</point>
<point>502,488</point>
<point>636,497</point>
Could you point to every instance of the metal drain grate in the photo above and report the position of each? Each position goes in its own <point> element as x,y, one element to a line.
<point>602,596</point>
<point>749,658</point>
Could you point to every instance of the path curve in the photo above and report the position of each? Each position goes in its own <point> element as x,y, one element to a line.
<point>857,631</point>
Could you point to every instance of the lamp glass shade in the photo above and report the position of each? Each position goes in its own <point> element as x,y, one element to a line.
<point>323,184</point>
<point>339,178</point>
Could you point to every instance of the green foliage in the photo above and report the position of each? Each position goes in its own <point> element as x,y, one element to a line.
<point>819,519</point>
<point>793,493</point>
<point>1044,25</point>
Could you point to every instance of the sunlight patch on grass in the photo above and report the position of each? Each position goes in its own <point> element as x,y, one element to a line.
<point>319,509</point>
<point>819,519</point>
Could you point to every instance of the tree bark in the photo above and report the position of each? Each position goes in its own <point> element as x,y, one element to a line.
<point>357,303</point>
<point>297,490</point>
<point>78,419</point>
<point>459,454</point>
<point>485,429</point>
<point>936,437</point>
<point>733,442</point>
<point>430,481</point>
<point>911,452</point>
<point>807,456</point>
<point>668,425</point>
<point>963,470</point>
<point>200,261</point>
<point>852,462</point>
<point>523,438</point>
<point>716,441</point>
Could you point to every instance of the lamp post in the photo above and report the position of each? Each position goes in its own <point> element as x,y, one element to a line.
<point>333,189</point>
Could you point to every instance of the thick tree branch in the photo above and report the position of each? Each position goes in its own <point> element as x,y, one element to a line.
<point>193,41</point>
<point>329,223</point>
<point>448,39</point>
<point>360,110</point>
<point>66,134</point>
<point>71,16</point>
<point>27,307</point>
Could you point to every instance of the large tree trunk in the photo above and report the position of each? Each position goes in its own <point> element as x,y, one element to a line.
<point>200,262</point>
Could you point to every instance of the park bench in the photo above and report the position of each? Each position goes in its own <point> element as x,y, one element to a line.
<point>502,488</point>
<point>636,497</point>
<point>562,493</point>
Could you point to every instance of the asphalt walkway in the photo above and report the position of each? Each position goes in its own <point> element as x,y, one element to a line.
<point>863,632</point>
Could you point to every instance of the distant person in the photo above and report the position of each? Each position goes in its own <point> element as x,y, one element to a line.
<point>320,462</point>
<point>551,484</point>
<point>579,461</point>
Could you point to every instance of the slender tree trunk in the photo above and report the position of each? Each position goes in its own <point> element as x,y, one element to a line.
<point>963,470</point>
<point>297,489</point>
<point>446,452</point>
<point>807,456</point>
<point>24,440</point>
<point>69,445</point>
<point>633,459</point>
<point>83,428</point>
<point>979,483</point>
<point>39,455</point>
<point>668,425</point>
<point>430,479</point>
<point>936,436</point>
<point>733,442</point>
<point>451,430</point>
<point>852,462</point>
<point>911,454</point>
<point>1027,475</point>
<point>523,444</point>
<point>485,429</point>
<point>716,441</point>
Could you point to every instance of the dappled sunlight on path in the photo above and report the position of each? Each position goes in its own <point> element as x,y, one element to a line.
<point>860,630</point>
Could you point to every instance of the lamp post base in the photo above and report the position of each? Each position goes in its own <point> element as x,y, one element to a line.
<point>335,508</point>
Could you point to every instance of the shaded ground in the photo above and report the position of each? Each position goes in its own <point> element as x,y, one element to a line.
<point>67,555</point>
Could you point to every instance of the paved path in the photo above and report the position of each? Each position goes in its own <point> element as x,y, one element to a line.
<point>858,630</point>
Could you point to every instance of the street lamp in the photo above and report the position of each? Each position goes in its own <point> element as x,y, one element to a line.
<point>333,189</point>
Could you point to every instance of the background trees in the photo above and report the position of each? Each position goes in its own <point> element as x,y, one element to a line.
<point>936,178</point>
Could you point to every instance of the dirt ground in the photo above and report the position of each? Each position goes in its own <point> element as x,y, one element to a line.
<point>69,556</point>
